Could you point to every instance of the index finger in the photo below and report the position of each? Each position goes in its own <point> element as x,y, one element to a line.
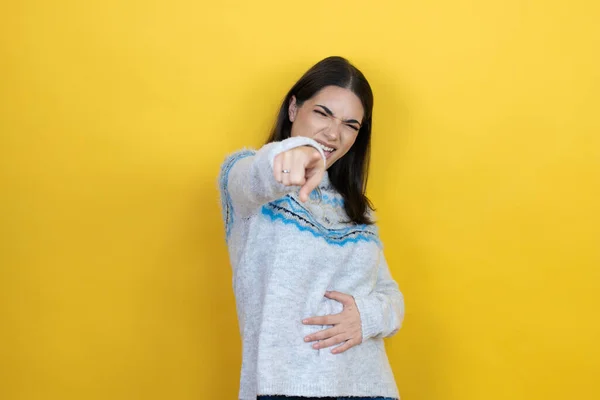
<point>310,185</point>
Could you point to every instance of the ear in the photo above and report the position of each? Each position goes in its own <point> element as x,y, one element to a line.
<point>292,109</point>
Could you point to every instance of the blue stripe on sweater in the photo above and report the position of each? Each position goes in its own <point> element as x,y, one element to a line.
<point>327,199</point>
<point>289,211</point>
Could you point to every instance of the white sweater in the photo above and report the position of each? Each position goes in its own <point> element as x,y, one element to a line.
<point>284,255</point>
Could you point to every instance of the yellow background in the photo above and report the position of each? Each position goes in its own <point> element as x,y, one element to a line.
<point>115,116</point>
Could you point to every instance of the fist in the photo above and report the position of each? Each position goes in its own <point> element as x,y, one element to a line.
<point>301,166</point>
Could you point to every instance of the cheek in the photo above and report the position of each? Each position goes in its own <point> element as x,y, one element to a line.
<point>313,124</point>
<point>348,140</point>
<point>304,126</point>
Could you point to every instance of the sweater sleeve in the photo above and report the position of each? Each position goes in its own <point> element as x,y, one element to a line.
<point>246,179</point>
<point>381,311</point>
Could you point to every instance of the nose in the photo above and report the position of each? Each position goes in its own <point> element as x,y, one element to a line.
<point>334,130</point>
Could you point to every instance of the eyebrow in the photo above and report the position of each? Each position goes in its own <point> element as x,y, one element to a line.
<point>330,113</point>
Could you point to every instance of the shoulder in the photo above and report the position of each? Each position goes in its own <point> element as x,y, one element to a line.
<point>229,161</point>
<point>232,157</point>
<point>225,168</point>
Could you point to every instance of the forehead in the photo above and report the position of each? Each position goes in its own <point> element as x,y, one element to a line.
<point>343,102</point>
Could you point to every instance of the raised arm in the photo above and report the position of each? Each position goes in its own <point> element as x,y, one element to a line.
<point>248,178</point>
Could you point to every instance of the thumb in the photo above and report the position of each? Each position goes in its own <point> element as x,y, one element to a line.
<point>343,298</point>
<point>315,160</point>
<point>316,156</point>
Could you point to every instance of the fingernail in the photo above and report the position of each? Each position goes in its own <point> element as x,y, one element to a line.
<point>305,321</point>
<point>315,346</point>
<point>307,339</point>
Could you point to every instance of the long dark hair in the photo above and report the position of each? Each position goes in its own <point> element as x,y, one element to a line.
<point>349,174</point>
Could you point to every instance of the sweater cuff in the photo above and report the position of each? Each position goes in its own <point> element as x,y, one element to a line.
<point>370,316</point>
<point>292,143</point>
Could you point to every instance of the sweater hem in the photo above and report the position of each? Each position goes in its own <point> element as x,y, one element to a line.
<point>322,389</point>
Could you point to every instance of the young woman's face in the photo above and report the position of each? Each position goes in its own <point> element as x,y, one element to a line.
<point>332,117</point>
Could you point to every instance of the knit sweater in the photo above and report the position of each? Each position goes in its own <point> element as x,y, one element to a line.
<point>285,255</point>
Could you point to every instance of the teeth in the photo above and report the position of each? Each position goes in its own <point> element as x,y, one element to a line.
<point>329,149</point>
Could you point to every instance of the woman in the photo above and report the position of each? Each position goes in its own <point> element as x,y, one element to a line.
<point>314,294</point>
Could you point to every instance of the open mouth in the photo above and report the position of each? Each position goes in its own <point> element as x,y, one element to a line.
<point>327,150</point>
